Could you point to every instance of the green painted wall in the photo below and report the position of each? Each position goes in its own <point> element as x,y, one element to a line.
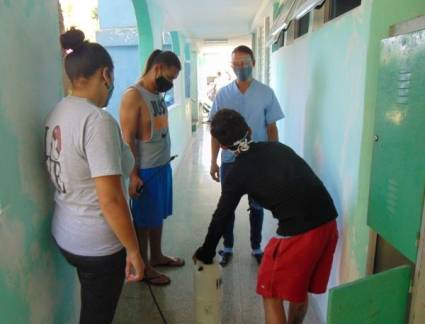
<point>177,40</point>
<point>146,42</point>
<point>326,82</point>
<point>319,80</point>
<point>36,284</point>
<point>187,51</point>
<point>158,21</point>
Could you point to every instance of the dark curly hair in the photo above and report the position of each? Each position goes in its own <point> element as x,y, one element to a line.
<point>228,126</point>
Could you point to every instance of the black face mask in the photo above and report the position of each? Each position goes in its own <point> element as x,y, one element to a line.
<point>162,84</point>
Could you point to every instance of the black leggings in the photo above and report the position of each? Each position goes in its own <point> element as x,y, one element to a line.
<point>101,280</point>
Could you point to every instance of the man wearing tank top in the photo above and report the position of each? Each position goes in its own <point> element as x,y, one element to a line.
<point>144,123</point>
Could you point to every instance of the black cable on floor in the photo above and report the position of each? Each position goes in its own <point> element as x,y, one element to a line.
<point>156,303</point>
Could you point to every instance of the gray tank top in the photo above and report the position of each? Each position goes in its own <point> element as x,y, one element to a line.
<point>156,151</point>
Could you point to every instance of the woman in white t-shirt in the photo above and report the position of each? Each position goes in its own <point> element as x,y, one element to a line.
<point>88,161</point>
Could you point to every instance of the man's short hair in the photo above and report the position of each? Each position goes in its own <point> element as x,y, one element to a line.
<point>228,126</point>
<point>244,49</point>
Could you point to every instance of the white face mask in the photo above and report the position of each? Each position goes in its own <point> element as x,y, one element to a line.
<point>242,145</point>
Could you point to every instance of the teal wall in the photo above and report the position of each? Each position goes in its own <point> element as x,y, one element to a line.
<point>158,22</point>
<point>36,284</point>
<point>146,42</point>
<point>319,81</point>
<point>326,82</point>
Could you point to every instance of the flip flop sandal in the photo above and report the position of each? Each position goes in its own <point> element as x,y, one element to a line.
<point>173,262</point>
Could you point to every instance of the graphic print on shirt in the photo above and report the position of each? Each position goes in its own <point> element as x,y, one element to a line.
<point>53,148</point>
<point>160,117</point>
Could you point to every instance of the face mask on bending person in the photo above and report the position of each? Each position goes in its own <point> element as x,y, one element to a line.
<point>241,145</point>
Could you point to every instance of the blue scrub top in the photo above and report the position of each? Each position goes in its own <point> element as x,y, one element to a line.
<point>258,105</point>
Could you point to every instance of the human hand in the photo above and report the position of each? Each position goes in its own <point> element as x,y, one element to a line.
<point>215,171</point>
<point>134,187</point>
<point>134,268</point>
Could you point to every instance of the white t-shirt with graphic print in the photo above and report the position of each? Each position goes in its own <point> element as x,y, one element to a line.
<point>82,142</point>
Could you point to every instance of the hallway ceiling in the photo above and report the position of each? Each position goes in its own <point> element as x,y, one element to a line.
<point>212,19</point>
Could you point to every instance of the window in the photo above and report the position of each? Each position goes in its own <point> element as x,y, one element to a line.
<point>302,25</point>
<point>339,7</point>
<point>280,42</point>
<point>282,19</point>
<point>303,7</point>
<point>298,12</point>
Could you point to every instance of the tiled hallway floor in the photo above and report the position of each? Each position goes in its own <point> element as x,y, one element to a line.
<point>195,197</point>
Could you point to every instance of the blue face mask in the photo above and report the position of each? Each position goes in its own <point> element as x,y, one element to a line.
<point>244,74</point>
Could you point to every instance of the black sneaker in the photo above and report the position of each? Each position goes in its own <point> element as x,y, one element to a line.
<point>225,257</point>
<point>258,257</point>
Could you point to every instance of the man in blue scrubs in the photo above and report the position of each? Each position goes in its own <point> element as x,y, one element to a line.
<point>257,103</point>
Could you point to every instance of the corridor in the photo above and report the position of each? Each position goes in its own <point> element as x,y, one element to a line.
<point>348,76</point>
<point>195,197</point>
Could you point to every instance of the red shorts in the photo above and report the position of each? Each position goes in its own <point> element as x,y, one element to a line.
<point>293,266</point>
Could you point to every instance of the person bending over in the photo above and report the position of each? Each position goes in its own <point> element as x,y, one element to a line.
<point>298,259</point>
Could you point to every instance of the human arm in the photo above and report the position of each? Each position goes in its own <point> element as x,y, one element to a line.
<point>232,192</point>
<point>129,120</point>
<point>215,145</point>
<point>273,113</point>
<point>214,169</point>
<point>272,132</point>
<point>103,149</point>
<point>115,210</point>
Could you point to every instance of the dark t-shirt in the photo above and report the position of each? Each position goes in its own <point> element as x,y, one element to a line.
<point>279,180</point>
